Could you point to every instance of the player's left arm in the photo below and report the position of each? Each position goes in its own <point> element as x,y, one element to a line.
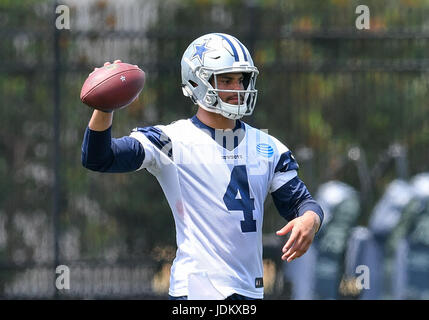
<point>305,216</point>
<point>295,203</point>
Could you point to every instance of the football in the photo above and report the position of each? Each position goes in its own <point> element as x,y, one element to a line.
<point>113,86</point>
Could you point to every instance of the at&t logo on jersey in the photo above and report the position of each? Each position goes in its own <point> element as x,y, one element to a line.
<point>265,150</point>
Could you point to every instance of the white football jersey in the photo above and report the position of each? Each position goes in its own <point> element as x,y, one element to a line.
<point>216,192</point>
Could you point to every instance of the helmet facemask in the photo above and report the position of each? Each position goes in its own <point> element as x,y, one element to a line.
<point>246,98</point>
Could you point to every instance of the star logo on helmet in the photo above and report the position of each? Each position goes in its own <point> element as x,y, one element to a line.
<point>200,51</point>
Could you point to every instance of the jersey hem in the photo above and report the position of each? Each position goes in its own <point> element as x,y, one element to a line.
<point>230,291</point>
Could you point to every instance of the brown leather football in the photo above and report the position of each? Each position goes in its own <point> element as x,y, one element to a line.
<point>113,86</point>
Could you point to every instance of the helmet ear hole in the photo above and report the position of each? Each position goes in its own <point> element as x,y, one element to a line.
<point>194,84</point>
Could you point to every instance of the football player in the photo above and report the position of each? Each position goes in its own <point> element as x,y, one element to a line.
<point>216,172</point>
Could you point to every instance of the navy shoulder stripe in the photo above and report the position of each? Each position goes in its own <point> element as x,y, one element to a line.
<point>286,162</point>
<point>159,139</point>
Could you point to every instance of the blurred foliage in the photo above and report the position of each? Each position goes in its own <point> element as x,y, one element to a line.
<point>323,85</point>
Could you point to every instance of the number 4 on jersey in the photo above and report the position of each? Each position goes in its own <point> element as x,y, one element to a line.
<point>237,197</point>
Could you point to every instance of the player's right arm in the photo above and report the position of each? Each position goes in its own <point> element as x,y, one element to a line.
<point>102,153</point>
<point>100,120</point>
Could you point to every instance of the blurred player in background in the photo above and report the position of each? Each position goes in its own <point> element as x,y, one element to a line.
<point>216,172</point>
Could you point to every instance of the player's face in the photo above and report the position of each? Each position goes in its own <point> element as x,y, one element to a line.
<point>230,81</point>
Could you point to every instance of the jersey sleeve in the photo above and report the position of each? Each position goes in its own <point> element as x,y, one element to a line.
<point>290,195</point>
<point>157,145</point>
<point>102,153</point>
